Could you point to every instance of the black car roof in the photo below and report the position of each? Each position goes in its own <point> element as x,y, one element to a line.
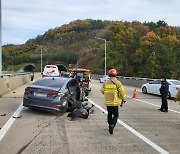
<point>49,78</point>
<point>57,82</point>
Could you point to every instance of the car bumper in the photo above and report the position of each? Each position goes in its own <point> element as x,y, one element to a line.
<point>48,106</point>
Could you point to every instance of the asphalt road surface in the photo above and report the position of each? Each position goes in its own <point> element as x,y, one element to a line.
<point>141,128</point>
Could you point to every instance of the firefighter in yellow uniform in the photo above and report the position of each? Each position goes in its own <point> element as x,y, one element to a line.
<point>177,97</point>
<point>114,95</point>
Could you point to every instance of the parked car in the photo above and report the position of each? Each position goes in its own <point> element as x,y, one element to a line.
<point>57,94</point>
<point>104,78</point>
<point>154,86</point>
<point>50,70</point>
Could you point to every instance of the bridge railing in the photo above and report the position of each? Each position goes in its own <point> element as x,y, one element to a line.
<point>6,74</point>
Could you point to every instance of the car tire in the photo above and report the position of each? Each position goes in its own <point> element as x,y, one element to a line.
<point>83,96</point>
<point>72,104</point>
<point>144,90</point>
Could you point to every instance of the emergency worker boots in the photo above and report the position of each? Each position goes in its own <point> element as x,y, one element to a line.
<point>111,127</point>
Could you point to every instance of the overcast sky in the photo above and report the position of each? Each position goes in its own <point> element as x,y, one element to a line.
<point>25,19</point>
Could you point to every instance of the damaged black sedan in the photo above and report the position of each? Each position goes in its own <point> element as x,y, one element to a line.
<point>56,94</point>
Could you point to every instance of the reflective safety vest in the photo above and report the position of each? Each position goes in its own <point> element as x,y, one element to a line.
<point>113,92</point>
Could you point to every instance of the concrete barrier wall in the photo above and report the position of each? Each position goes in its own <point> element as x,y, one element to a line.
<point>129,81</point>
<point>132,82</point>
<point>12,82</point>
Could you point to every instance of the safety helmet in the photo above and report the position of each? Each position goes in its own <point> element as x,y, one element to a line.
<point>112,72</point>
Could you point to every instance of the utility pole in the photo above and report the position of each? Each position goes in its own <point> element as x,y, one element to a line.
<point>105,61</point>
<point>104,53</point>
<point>0,39</point>
<point>41,60</point>
<point>12,64</point>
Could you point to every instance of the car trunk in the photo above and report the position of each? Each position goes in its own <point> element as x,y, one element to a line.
<point>42,93</point>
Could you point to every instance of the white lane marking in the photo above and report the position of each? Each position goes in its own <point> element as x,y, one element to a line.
<point>144,101</point>
<point>152,104</point>
<point>8,124</point>
<point>142,137</point>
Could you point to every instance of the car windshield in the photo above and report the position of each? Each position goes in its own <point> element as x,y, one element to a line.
<point>156,82</point>
<point>175,82</point>
<point>55,82</point>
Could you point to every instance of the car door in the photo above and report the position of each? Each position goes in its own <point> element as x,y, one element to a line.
<point>156,86</point>
<point>152,86</point>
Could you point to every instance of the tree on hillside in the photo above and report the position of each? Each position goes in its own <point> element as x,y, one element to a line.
<point>147,49</point>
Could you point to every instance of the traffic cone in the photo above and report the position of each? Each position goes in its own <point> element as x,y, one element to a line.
<point>134,94</point>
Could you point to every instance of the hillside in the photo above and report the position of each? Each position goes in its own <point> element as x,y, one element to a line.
<point>133,48</point>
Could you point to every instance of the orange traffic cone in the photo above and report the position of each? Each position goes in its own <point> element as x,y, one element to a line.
<point>134,94</point>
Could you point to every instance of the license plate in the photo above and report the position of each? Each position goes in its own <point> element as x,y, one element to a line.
<point>40,94</point>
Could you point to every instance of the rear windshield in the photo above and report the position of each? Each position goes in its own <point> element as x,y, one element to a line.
<point>55,82</point>
<point>50,70</point>
<point>50,66</point>
<point>176,82</point>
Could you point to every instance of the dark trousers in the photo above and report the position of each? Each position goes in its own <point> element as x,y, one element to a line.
<point>113,115</point>
<point>164,105</point>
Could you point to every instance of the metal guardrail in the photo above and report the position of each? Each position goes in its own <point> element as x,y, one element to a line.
<point>136,78</point>
<point>129,81</point>
<point>6,74</point>
<point>94,76</point>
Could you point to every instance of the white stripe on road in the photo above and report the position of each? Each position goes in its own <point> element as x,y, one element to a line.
<point>149,142</point>
<point>152,104</point>
<point>8,124</point>
<point>144,101</point>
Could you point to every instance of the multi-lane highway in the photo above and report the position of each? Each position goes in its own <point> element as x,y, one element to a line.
<point>141,127</point>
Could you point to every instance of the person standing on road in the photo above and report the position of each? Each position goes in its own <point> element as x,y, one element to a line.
<point>113,90</point>
<point>164,90</point>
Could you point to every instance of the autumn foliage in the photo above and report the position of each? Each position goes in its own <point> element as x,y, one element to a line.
<point>135,49</point>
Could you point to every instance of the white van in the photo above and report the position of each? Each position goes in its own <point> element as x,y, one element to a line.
<point>50,70</point>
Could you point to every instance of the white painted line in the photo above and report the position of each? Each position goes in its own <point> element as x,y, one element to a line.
<point>8,124</point>
<point>142,137</point>
<point>145,102</point>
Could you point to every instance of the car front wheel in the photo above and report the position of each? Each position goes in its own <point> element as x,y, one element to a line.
<point>144,90</point>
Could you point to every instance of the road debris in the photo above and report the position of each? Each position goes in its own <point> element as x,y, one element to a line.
<point>82,112</point>
<point>17,116</point>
